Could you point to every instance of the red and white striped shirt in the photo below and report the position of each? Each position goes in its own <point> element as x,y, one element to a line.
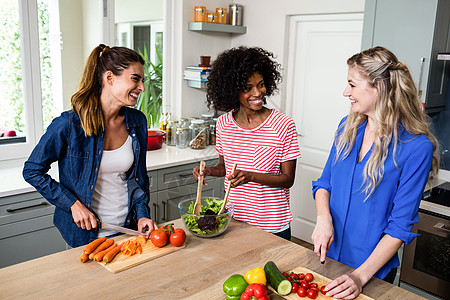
<point>262,150</point>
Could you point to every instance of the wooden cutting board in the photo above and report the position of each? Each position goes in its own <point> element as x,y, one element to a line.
<point>149,251</point>
<point>320,280</point>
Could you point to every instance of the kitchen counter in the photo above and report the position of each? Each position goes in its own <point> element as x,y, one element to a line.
<point>195,272</point>
<point>12,182</point>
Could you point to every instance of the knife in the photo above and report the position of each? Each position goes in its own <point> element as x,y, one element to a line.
<point>118,228</point>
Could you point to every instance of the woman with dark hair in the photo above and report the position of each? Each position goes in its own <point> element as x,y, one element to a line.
<point>100,146</point>
<point>368,196</point>
<point>261,141</point>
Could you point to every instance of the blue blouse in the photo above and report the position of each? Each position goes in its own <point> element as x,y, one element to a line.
<point>393,207</point>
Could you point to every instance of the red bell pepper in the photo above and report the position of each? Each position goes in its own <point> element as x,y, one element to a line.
<point>255,291</point>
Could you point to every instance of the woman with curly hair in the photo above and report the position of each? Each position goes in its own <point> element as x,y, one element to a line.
<point>261,141</point>
<point>368,196</point>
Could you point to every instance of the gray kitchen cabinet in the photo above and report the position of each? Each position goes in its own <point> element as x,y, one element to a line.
<point>26,229</point>
<point>177,183</point>
<point>415,31</point>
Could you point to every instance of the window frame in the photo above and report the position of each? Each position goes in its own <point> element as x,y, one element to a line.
<point>28,16</point>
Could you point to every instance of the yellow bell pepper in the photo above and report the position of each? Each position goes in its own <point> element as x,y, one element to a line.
<point>256,275</point>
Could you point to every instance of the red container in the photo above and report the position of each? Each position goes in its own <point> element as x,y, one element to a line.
<point>155,139</point>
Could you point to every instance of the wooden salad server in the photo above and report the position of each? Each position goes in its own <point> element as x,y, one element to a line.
<point>198,202</point>
<point>222,209</point>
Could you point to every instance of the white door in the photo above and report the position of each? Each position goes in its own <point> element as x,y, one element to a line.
<point>319,46</point>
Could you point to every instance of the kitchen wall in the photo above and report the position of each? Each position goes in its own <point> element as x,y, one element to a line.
<point>267,27</point>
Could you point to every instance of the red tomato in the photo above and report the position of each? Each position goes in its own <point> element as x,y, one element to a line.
<point>301,276</point>
<point>293,276</point>
<point>178,237</point>
<point>304,284</point>
<point>313,285</point>
<point>309,277</point>
<point>312,294</point>
<point>285,274</point>
<point>294,287</point>
<point>158,238</point>
<point>322,290</point>
<point>168,229</point>
<point>289,278</point>
<point>301,292</point>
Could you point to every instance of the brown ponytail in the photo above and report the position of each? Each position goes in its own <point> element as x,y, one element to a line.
<point>86,101</point>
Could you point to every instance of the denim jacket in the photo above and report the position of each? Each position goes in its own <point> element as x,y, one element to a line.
<point>79,160</point>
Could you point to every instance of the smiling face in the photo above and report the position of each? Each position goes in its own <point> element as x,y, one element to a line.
<point>126,87</point>
<point>362,95</point>
<point>252,95</point>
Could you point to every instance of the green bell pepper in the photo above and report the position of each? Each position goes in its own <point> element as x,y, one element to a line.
<point>234,286</point>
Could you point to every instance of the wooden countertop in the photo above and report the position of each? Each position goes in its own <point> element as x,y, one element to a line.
<point>195,272</point>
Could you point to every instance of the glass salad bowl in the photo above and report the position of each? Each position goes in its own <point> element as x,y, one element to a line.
<point>208,223</point>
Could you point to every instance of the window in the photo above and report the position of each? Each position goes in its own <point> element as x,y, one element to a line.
<point>30,73</point>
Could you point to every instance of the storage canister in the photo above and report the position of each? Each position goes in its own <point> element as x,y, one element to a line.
<point>171,136</point>
<point>182,137</point>
<point>212,134</point>
<point>221,15</point>
<point>200,14</point>
<point>236,14</point>
<point>198,140</point>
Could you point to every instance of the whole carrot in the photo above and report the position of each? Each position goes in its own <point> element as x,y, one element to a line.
<point>106,244</point>
<point>84,257</point>
<point>99,256</point>
<point>112,253</point>
<point>94,244</point>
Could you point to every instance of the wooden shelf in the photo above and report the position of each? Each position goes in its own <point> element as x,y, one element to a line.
<point>200,26</point>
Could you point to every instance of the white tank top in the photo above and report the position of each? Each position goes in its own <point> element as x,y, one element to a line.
<point>110,199</point>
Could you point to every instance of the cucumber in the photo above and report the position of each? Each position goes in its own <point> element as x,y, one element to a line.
<point>276,280</point>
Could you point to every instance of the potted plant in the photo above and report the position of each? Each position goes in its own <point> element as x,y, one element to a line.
<point>150,101</point>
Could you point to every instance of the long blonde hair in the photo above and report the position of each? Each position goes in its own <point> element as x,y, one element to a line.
<point>86,101</point>
<point>397,103</point>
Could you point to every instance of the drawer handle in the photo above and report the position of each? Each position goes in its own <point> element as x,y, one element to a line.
<point>441,226</point>
<point>186,175</point>
<point>155,209</point>
<point>164,210</point>
<point>43,203</point>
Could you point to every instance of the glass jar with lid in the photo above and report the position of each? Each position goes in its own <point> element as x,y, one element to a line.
<point>208,118</point>
<point>184,122</point>
<point>206,131</point>
<point>198,140</point>
<point>171,133</point>
<point>212,134</point>
<point>182,137</point>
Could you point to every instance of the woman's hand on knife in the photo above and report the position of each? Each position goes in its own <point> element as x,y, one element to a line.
<point>82,216</point>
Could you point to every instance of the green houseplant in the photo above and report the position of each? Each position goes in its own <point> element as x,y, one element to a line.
<point>150,101</point>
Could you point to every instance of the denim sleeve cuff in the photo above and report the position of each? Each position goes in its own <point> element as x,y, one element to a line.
<point>319,184</point>
<point>66,201</point>
<point>397,232</point>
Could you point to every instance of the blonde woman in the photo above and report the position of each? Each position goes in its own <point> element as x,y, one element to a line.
<point>368,195</point>
<point>100,146</point>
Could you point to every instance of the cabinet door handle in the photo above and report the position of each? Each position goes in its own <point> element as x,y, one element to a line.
<point>184,176</point>
<point>441,226</point>
<point>164,210</point>
<point>11,210</point>
<point>155,209</point>
<point>422,61</point>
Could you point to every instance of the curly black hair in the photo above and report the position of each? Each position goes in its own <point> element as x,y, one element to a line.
<point>231,71</point>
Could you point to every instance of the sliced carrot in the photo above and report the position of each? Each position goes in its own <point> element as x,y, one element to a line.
<point>99,256</point>
<point>106,244</point>
<point>139,249</point>
<point>141,239</point>
<point>84,257</point>
<point>93,245</point>
<point>111,254</point>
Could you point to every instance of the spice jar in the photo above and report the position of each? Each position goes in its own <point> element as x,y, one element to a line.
<point>199,136</point>
<point>184,122</point>
<point>182,137</point>
<point>200,14</point>
<point>212,134</point>
<point>206,131</point>
<point>171,133</point>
